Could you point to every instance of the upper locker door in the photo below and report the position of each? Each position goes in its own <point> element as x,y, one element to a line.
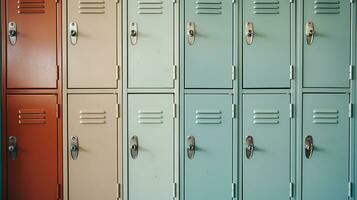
<point>327,33</point>
<point>32,44</point>
<point>93,42</point>
<point>150,44</point>
<point>266,146</point>
<point>266,43</point>
<point>325,146</point>
<point>32,143</point>
<point>208,147</point>
<point>208,43</point>
<point>150,146</point>
<point>93,146</point>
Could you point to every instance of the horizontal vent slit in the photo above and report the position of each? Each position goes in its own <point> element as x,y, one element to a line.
<point>266,111</point>
<point>325,111</point>
<point>265,2</point>
<point>317,121</point>
<point>92,112</point>
<point>150,122</point>
<point>208,122</point>
<point>92,122</point>
<point>32,121</point>
<point>91,2</point>
<point>257,121</point>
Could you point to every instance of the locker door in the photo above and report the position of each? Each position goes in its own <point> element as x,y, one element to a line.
<point>151,161</point>
<point>32,24</point>
<point>92,121</point>
<point>266,44</point>
<point>266,146</point>
<point>326,165</point>
<point>208,129</point>
<point>92,50</point>
<point>32,138</point>
<point>327,47</point>
<point>209,47</point>
<point>150,44</point>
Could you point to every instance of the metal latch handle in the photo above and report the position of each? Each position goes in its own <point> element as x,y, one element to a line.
<point>12,147</point>
<point>249,150</point>
<point>249,33</point>
<point>133,33</point>
<point>73,32</point>
<point>74,147</point>
<point>309,146</point>
<point>12,33</point>
<point>191,147</point>
<point>134,147</point>
<point>310,32</point>
<point>191,33</point>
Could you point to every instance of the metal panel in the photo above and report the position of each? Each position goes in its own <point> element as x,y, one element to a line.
<point>32,167</point>
<point>151,171</point>
<point>92,119</point>
<point>92,51</point>
<point>266,168</point>
<point>26,67</point>
<point>266,49</point>
<point>209,172</point>
<point>209,50</point>
<point>325,173</point>
<point>329,52</point>
<point>150,44</point>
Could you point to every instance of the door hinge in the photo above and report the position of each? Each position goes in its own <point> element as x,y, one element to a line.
<point>350,110</point>
<point>58,72</point>
<point>352,1</point>
<point>233,72</point>
<point>117,110</point>
<point>116,1</point>
<point>117,72</point>
<point>59,196</point>
<point>291,72</point>
<point>350,75</point>
<point>291,110</point>
<point>233,1</point>
<point>174,190</point>
<point>174,110</point>
<point>291,190</point>
<point>350,189</point>
<point>233,110</point>
<point>174,72</point>
<point>118,190</point>
<point>58,110</point>
<point>234,188</point>
<point>173,1</point>
<point>291,1</point>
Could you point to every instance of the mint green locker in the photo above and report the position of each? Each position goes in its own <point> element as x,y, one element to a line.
<point>266,146</point>
<point>208,43</point>
<point>208,163</point>
<point>151,146</point>
<point>266,43</point>
<point>150,44</point>
<point>325,147</point>
<point>326,50</point>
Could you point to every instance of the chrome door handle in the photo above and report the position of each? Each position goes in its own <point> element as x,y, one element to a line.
<point>249,150</point>
<point>310,32</point>
<point>191,147</point>
<point>191,33</point>
<point>73,32</point>
<point>74,147</point>
<point>12,147</point>
<point>249,33</point>
<point>133,33</point>
<point>309,146</point>
<point>134,147</point>
<point>12,33</point>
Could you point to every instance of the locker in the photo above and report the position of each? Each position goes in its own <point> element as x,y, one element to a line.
<point>151,146</point>
<point>31,24</point>
<point>32,147</point>
<point>266,44</point>
<point>326,50</point>
<point>93,42</point>
<point>266,146</point>
<point>93,146</point>
<point>325,146</point>
<point>209,44</point>
<point>208,164</point>
<point>150,44</point>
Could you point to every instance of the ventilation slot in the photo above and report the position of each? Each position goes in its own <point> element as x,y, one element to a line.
<point>208,117</point>
<point>327,7</point>
<point>92,117</point>
<point>266,117</point>
<point>31,7</point>
<point>150,7</point>
<point>32,116</point>
<point>266,7</point>
<point>325,116</point>
<point>208,7</point>
<point>91,7</point>
<point>150,117</point>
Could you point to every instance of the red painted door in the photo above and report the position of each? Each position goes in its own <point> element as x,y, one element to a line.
<point>32,48</point>
<point>32,172</point>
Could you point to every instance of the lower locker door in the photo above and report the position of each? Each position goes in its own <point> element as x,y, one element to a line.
<point>325,147</point>
<point>151,146</point>
<point>266,146</point>
<point>32,139</point>
<point>93,146</point>
<point>208,147</point>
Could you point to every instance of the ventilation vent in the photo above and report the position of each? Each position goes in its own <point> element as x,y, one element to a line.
<point>208,117</point>
<point>150,7</point>
<point>32,116</point>
<point>91,7</point>
<point>266,7</point>
<point>325,116</point>
<point>266,117</point>
<point>326,7</point>
<point>92,117</point>
<point>31,7</point>
<point>209,7</point>
<point>150,117</point>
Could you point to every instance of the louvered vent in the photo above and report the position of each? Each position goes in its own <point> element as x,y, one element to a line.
<point>208,117</point>
<point>150,7</point>
<point>92,117</point>
<point>326,7</point>
<point>150,117</point>
<point>266,116</point>
<point>325,116</point>
<point>208,7</point>
<point>31,7</point>
<point>91,7</point>
<point>266,7</point>
<point>32,116</point>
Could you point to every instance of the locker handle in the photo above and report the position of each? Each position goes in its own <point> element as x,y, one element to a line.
<point>73,31</point>
<point>74,147</point>
<point>134,147</point>
<point>134,33</point>
<point>12,33</point>
<point>12,147</point>
<point>249,32</point>
<point>191,33</point>
<point>310,32</point>
<point>249,150</point>
<point>309,146</point>
<point>191,147</point>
